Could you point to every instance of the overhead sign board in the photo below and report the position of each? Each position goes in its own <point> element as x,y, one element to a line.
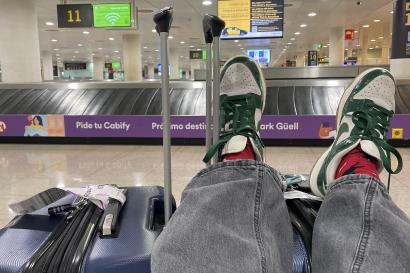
<point>249,19</point>
<point>261,56</point>
<point>349,34</point>
<point>112,15</point>
<point>401,30</point>
<point>312,58</point>
<point>75,66</point>
<point>197,55</point>
<point>75,15</point>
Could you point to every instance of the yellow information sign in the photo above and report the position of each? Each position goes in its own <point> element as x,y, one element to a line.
<point>236,14</point>
<point>247,19</point>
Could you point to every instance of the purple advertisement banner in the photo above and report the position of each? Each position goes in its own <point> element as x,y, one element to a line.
<point>272,127</point>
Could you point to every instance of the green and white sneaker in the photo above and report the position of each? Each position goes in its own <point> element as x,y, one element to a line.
<point>242,100</point>
<point>363,118</point>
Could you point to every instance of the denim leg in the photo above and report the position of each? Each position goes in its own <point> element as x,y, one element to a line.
<point>232,218</point>
<point>360,230</point>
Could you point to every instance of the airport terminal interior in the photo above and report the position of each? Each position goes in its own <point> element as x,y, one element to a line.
<point>82,86</point>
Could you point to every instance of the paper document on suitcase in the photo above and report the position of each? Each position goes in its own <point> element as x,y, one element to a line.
<point>100,194</point>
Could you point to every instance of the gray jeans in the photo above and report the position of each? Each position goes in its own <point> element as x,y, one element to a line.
<point>233,219</point>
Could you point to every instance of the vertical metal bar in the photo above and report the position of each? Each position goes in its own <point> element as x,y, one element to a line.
<point>208,101</point>
<point>166,123</point>
<point>216,91</point>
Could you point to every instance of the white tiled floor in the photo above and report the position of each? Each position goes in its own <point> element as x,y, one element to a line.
<point>28,169</point>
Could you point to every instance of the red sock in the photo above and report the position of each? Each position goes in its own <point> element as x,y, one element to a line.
<point>247,153</point>
<point>357,162</point>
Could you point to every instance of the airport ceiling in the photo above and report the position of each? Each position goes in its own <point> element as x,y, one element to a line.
<point>72,44</point>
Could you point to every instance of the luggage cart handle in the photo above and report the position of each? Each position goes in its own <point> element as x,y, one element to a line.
<point>163,19</point>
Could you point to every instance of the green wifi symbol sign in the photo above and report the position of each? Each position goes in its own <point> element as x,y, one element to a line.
<point>112,17</point>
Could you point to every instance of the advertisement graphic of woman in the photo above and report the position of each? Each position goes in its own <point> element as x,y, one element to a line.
<point>3,127</point>
<point>37,121</point>
<point>37,126</point>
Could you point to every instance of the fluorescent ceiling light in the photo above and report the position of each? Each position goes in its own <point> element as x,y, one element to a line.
<point>80,44</point>
<point>154,30</point>
<point>293,38</point>
<point>170,37</point>
<point>297,33</point>
<point>366,26</point>
<point>54,40</point>
<point>49,23</point>
<point>182,42</point>
<point>377,20</point>
<point>303,25</point>
<point>111,39</point>
<point>372,40</point>
<point>311,14</point>
<point>116,51</point>
<point>207,3</point>
<point>100,48</point>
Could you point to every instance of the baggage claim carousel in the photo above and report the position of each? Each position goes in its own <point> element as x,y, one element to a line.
<point>300,108</point>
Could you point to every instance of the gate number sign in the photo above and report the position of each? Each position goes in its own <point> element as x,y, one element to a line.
<point>76,15</point>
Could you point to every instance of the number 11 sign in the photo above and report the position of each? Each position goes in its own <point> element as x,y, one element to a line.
<point>76,15</point>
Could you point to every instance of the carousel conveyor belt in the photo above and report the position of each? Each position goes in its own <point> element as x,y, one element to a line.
<point>189,100</point>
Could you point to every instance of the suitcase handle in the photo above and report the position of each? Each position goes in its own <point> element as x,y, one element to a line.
<point>209,38</point>
<point>212,27</point>
<point>163,20</point>
<point>216,24</point>
<point>155,215</point>
<point>206,24</point>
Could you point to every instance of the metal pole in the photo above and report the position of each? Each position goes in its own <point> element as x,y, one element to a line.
<point>216,92</point>
<point>208,98</point>
<point>166,123</point>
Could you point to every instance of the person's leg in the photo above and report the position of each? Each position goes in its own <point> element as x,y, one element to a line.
<point>359,228</point>
<point>232,216</point>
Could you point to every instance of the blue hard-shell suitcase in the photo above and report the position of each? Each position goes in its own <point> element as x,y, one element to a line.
<point>141,221</point>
